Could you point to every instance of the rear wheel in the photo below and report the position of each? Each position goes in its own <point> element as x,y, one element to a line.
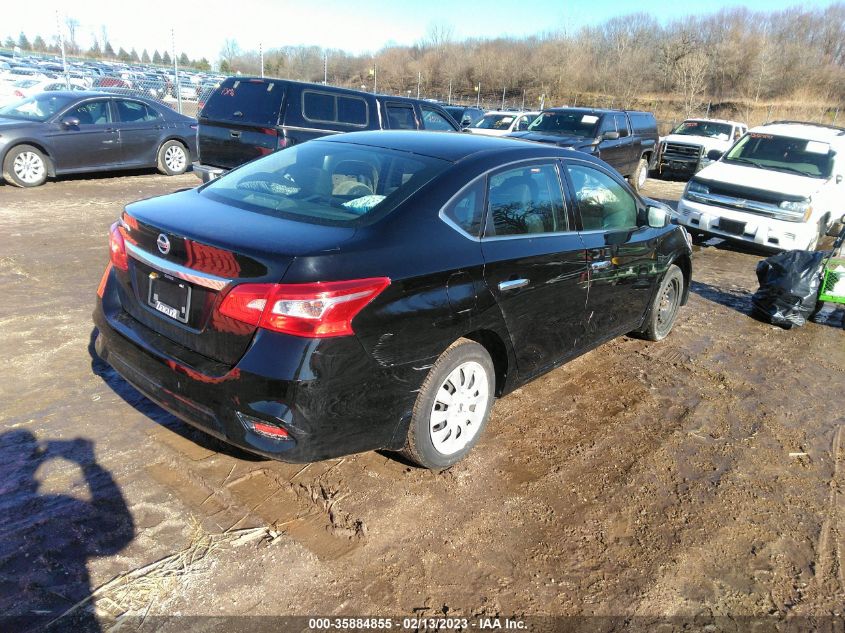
<point>640,175</point>
<point>664,309</point>
<point>452,407</point>
<point>25,166</point>
<point>172,158</point>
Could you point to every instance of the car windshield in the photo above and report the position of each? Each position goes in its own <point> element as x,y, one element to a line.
<point>783,153</point>
<point>38,108</point>
<point>25,83</point>
<point>494,121</point>
<point>710,129</point>
<point>579,124</point>
<point>326,182</point>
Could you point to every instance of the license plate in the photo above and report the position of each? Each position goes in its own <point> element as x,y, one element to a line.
<point>170,297</point>
<point>732,226</point>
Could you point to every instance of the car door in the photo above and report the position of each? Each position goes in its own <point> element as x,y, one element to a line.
<point>401,116</point>
<point>621,254</point>
<point>614,151</point>
<point>140,129</point>
<point>629,142</point>
<point>91,144</point>
<point>535,264</point>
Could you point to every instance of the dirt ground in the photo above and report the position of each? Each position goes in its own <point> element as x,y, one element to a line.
<point>700,476</point>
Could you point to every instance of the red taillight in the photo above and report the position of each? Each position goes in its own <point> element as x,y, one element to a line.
<point>101,289</point>
<point>117,248</point>
<point>315,310</point>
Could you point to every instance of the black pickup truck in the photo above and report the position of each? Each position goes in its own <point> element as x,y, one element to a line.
<point>248,117</point>
<point>625,139</point>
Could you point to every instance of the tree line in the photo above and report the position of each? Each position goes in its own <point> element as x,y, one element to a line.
<point>102,52</point>
<point>734,54</point>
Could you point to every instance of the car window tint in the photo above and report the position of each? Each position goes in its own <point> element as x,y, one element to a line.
<point>433,120</point>
<point>352,110</point>
<point>91,112</point>
<point>525,200</point>
<point>401,117</point>
<point>253,100</point>
<point>608,124</point>
<point>467,209</point>
<point>318,106</point>
<point>603,202</point>
<point>134,112</point>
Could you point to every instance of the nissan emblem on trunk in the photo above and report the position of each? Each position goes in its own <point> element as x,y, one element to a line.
<point>163,244</point>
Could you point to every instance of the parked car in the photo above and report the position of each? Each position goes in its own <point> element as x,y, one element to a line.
<point>379,289</point>
<point>501,123</point>
<point>780,187</point>
<point>626,140</point>
<point>28,87</point>
<point>685,149</point>
<point>464,115</point>
<point>65,132</point>
<point>248,117</point>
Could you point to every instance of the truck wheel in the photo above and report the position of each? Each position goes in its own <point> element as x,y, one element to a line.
<point>640,175</point>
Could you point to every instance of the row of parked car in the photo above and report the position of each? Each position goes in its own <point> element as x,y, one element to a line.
<point>778,186</point>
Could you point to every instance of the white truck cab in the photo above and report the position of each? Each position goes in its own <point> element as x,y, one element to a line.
<point>781,186</point>
<point>685,149</point>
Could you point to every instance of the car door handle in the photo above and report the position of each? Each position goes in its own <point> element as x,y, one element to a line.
<point>513,284</point>
<point>602,265</point>
<point>234,134</point>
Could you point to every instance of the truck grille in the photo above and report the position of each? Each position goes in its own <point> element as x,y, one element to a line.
<point>682,150</point>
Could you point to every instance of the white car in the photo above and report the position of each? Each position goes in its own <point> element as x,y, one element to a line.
<point>686,148</point>
<point>499,123</point>
<point>28,87</point>
<point>781,186</point>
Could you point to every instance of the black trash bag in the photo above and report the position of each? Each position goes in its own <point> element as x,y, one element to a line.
<point>789,287</point>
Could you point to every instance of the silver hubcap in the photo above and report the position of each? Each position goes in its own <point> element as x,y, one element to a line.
<point>28,167</point>
<point>642,177</point>
<point>174,158</point>
<point>459,408</point>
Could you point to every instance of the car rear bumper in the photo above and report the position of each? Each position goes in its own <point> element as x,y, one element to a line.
<point>760,230</point>
<point>328,395</point>
<point>207,173</point>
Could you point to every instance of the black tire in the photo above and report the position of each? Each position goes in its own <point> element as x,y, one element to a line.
<point>664,309</point>
<point>173,158</point>
<point>419,445</point>
<point>30,170</point>
<point>640,175</point>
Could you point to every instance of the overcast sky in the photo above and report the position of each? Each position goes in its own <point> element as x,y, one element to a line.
<point>353,25</point>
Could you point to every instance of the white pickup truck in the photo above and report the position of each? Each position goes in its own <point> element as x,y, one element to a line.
<point>781,186</point>
<point>685,149</point>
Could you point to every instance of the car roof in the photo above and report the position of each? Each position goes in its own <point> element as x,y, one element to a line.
<point>798,129</point>
<point>451,146</point>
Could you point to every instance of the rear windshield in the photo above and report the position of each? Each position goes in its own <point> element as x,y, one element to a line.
<point>38,108</point>
<point>326,182</point>
<point>574,123</point>
<point>255,101</point>
<point>783,153</point>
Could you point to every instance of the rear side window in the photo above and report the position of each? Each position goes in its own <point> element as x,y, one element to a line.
<point>467,208</point>
<point>525,200</point>
<point>401,117</point>
<point>642,122</point>
<point>256,101</point>
<point>327,107</point>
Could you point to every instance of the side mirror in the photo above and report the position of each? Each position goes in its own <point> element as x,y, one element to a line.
<point>714,154</point>
<point>466,122</point>
<point>657,217</point>
<point>610,136</point>
<point>70,121</point>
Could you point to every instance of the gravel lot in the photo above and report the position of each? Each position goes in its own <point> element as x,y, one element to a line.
<point>704,475</point>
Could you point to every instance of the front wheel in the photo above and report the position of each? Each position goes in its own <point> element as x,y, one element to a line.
<point>452,407</point>
<point>640,175</point>
<point>172,158</point>
<point>664,309</point>
<point>25,166</point>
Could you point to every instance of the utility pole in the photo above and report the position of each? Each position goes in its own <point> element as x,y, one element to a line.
<point>261,54</point>
<point>176,70</point>
<point>325,68</point>
<point>523,99</point>
<point>503,97</point>
<point>62,45</point>
<point>375,77</point>
<point>449,101</point>
<point>419,81</point>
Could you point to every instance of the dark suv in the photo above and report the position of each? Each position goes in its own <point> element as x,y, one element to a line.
<point>248,117</point>
<point>624,139</point>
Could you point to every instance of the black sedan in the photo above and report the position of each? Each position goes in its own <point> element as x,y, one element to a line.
<point>62,132</point>
<point>379,289</point>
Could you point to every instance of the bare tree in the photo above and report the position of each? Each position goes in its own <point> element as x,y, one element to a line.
<point>72,24</point>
